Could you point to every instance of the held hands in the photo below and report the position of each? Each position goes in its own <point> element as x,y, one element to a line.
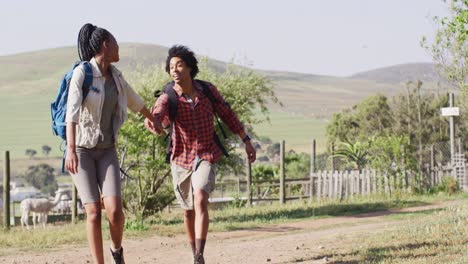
<point>154,126</point>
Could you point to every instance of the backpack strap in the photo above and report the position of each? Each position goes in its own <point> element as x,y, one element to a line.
<point>208,93</point>
<point>171,93</point>
<point>172,108</point>
<point>88,80</point>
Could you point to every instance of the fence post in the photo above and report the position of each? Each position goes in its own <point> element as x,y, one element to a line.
<point>312,170</point>
<point>6,192</point>
<point>362,183</point>
<point>386,187</point>
<point>238,188</point>
<point>373,178</point>
<point>282,176</point>
<point>432,172</point>
<point>249,183</point>
<point>74,205</point>
<point>367,182</point>
<point>333,157</point>
<point>346,184</point>
<point>319,185</point>
<point>452,134</point>
<point>335,182</point>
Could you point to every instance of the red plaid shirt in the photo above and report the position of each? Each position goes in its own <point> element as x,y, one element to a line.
<point>193,128</point>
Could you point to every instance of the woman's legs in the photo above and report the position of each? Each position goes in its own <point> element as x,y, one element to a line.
<point>114,211</point>
<point>108,172</point>
<point>87,184</point>
<point>93,231</point>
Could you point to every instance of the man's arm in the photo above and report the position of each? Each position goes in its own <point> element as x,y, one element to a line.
<point>228,116</point>
<point>159,112</point>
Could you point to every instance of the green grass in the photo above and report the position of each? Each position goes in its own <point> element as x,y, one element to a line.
<point>437,236</point>
<point>27,124</point>
<point>297,130</point>
<point>53,237</point>
<point>228,219</point>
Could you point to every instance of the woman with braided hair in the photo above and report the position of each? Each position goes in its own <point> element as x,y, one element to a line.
<point>93,121</point>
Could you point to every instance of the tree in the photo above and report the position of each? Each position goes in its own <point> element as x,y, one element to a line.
<point>31,153</point>
<point>354,153</point>
<point>264,139</point>
<point>371,117</point>
<point>46,150</point>
<point>273,150</point>
<point>394,157</point>
<point>297,165</point>
<point>42,177</point>
<point>411,113</point>
<point>264,172</point>
<point>449,48</point>
<point>142,154</point>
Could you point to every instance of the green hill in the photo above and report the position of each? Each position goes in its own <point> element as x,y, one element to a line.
<point>28,84</point>
<point>400,73</point>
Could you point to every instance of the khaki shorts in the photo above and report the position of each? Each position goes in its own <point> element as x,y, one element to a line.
<point>185,181</point>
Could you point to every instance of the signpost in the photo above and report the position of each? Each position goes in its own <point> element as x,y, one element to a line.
<point>451,112</point>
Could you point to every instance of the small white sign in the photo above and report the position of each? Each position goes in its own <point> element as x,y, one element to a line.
<point>450,111</point>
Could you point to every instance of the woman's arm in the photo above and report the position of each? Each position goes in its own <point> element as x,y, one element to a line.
<point>71,160</point>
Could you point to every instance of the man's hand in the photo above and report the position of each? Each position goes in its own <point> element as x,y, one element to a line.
<point>250,150</point>
<point>154,126</point>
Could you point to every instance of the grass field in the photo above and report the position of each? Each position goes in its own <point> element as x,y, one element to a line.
<point>297,130</point>
<point>439,236</point>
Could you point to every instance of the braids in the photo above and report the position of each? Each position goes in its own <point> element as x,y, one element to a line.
<point>90,40</point>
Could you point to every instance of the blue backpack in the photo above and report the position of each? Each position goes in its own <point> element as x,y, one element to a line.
<point>59,106</point>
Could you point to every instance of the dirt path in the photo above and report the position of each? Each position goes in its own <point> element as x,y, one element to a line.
<point>298,242</point>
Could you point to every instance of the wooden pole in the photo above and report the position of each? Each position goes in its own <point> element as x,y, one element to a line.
<point>249,183</point>
<point>312,170</point>
<point>432,172</point>
<point>6,192</point>
<point>333,165</point>
<point>238,188</point>
<point>452,132</point>
<point>282,176</point>
<point>74,205</point>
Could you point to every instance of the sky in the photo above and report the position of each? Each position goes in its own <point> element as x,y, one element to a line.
<point>338,38</point>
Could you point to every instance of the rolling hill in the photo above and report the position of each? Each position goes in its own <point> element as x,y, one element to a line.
<point>28,83</point>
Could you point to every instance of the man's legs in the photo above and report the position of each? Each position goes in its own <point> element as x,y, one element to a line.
<point>189,221</point>
<point>192,191</point>
<point>202,219</point>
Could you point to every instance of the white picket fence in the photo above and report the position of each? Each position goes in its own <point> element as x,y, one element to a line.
<point>341,184</point>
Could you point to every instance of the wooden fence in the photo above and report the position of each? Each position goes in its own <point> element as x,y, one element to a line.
<point>331,184</point>
<point>327,184</point>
